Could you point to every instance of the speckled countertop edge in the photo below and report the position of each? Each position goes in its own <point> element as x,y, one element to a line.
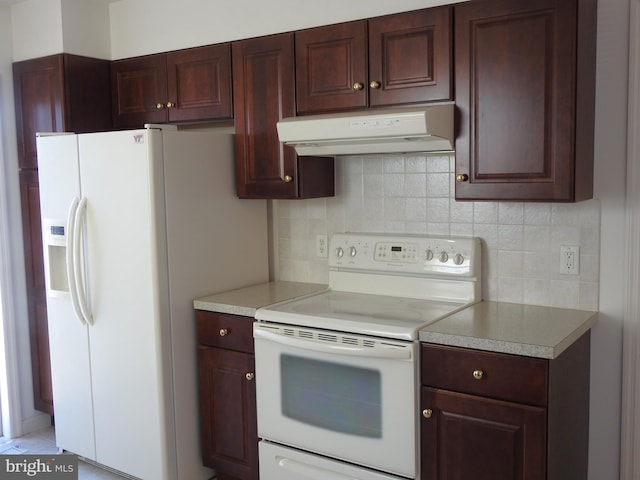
<point>533,331</point>
<point>245,301</point>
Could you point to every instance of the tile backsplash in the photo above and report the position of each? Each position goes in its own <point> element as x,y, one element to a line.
<point>415,194</point>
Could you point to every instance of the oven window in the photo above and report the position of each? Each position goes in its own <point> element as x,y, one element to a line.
<point>330,395</point>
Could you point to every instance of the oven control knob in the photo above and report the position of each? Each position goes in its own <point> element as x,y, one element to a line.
<point>428,255</point>
<point>352,252</point>
<point>458,259</point>
<point>444,256</point>
<point>339,252</point>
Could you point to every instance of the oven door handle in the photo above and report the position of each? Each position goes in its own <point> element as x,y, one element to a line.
<point>372,352</point>
<point>310,471</point>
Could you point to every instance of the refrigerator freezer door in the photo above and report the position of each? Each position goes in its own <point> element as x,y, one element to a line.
<point>68,337</point>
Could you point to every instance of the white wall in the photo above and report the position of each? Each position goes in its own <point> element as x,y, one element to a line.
<point>610,186</point>
<point>17,303</point>
<point>47,27</point>
<point>37,29</point>
<point>148,26</point>
<point>85,27</point>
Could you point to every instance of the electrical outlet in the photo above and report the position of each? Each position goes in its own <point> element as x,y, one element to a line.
<point>569,260</point>
<point>321,245</point>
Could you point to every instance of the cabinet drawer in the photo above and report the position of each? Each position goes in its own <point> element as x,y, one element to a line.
<point>496,375</point>
<point>234,332</point>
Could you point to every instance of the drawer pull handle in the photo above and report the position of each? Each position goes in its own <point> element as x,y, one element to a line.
<point>223,332</point>
<point>427,412</point>
<point>249,376</point>
<point>478,374</point>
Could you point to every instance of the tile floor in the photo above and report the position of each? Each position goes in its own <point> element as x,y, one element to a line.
<point>44,442</point>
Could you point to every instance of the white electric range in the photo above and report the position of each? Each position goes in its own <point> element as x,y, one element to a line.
<point>336,372</point>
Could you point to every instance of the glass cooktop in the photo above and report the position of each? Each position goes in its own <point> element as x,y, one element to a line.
<point>378,315</point>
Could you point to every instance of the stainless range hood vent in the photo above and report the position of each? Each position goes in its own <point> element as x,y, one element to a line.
<point>416,129</point>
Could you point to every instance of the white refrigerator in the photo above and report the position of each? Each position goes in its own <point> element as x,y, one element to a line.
<point>136,224</point>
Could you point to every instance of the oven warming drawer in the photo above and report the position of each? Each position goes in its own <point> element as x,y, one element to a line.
<point>282,463</point>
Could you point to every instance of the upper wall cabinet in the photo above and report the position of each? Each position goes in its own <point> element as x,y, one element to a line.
<point>192,85</point>
<point>263,92</point>
<point>59,93</point>
<point>525,83</point>
<point>395,59</point>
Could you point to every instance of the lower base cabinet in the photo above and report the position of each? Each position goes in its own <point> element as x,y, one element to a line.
<point>494,416</point>
<point>227,393</point>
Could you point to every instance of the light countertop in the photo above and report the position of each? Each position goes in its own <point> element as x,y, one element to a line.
<point>528,330</point>
<point>245,301</point>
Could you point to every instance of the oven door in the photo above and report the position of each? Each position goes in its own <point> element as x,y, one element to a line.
<point>348,397</point>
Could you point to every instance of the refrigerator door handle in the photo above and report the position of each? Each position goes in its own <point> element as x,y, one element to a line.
<point>77,261</point>
<point>73,293</point>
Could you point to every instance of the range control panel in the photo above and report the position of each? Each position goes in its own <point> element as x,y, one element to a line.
<point>413,255</point>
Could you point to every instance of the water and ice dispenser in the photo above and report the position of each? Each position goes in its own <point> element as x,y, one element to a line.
<point>55,255</point>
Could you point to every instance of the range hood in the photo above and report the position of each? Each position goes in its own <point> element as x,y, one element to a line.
<point>416,129</point>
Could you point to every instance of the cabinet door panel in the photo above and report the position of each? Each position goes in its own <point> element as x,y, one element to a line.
<point>515,92</point>
<point>329,62</point>
<point>39,103</point>
<point>474,437</point>
<point>139,86</point>
<point>36,291</point>
<point>410,57</point>
<point>229,435</point>
<point>199,83</point>
<point>262,95</point>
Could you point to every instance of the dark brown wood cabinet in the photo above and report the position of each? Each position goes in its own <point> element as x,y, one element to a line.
<point>525,83</point>
<point>182,86</point>
<point>227,393</point>
<point>59,93</point>
<point>495,416</point>
<point>396,59</point>
<point>52,94</point>
<point>36,291</point>
<point>263,94</point>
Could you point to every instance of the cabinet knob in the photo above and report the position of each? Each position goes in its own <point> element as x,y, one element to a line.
<point>478,374</point>
<point>288,178</point>
<point>427,412</point>
<point>170,104</point>
<point>358,86</point>
<point>223,332</point>
<point>159,106</point>
<point>374,84</point>
<point>249,376</point>
<point>462,177</point>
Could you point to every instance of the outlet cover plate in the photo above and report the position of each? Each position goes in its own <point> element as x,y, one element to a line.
<point>569,259</point>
